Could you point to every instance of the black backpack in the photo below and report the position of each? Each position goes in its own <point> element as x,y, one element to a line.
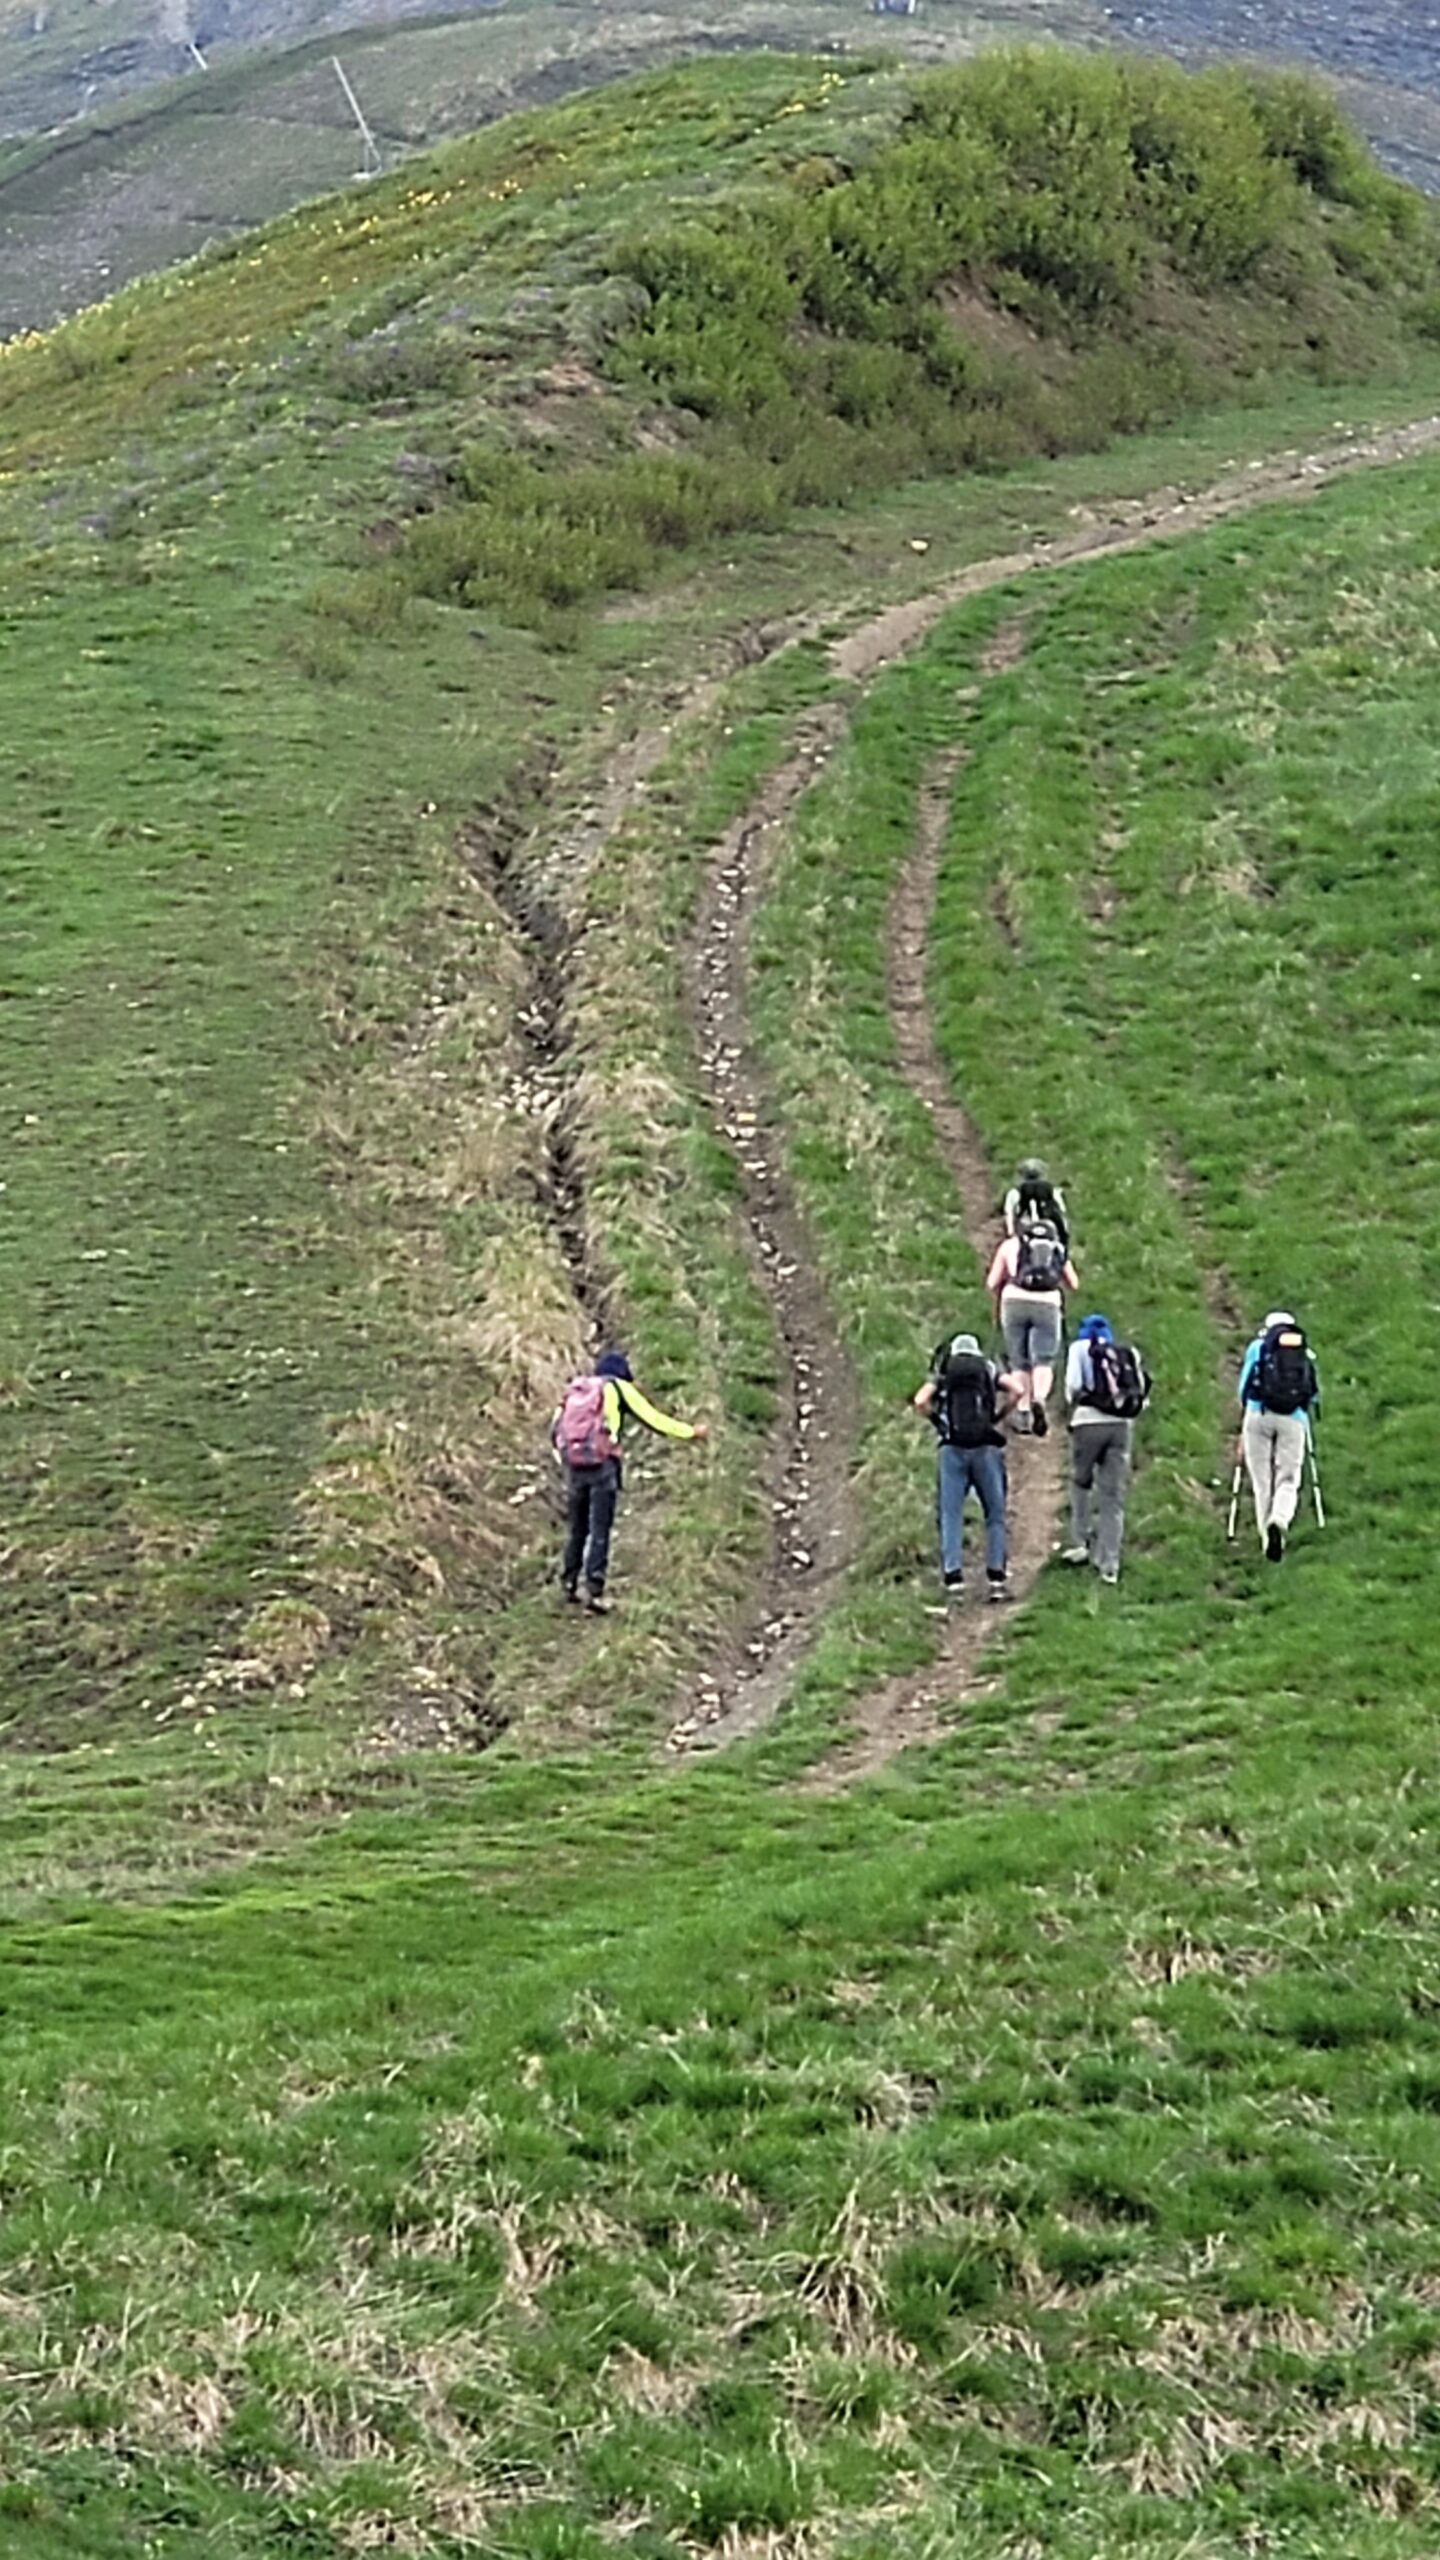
<point>1035,1200</point>
<point>963,1409</point>
<point>1118,1384</point>
<point>1040,1261</point>
<point>1285,1380</point>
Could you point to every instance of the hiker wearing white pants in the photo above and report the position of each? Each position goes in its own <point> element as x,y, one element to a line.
<point>1278,1392</point>
<point>1274,1446</point>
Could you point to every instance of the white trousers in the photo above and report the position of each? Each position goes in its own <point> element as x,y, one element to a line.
<point>1274,1445</point>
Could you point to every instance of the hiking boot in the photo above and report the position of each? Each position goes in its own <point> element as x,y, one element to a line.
<point>1274,1543</point>
<point>1074,1555</point>
<point>997,1587</point>
<point>570,1591</point>
<point>1039,1421</point>
<point>598,1605</point>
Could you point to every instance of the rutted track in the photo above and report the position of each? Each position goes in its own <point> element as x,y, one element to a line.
<point>808,1481</point>
<point>906,1709</point>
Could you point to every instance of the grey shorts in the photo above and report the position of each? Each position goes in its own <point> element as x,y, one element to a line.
<point>1031,1327</point>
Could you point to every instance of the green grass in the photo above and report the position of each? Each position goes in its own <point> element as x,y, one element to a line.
<point>255,965</point>
<point>1245,763</point>
<point>542,2153</point>
<point>1038,2147</point>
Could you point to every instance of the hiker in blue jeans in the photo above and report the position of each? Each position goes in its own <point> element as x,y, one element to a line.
<point>967,1398</point>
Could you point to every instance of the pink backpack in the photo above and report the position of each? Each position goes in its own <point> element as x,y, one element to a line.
<point>582,1434</point>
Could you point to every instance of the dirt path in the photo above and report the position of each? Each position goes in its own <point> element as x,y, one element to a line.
<point>807,1487</point>
<point>811,1498</point>
<point>906,1710</point>
<point>1129,524</point>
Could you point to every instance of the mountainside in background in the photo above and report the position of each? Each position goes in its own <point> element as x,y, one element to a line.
<point>149,174</point>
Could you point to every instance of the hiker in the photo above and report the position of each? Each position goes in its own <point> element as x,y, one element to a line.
<point>1106,1390</point>
<point>1279,1390</point>
<point>1027,1281</point>
<point>967,1397</point>
<point>586,1435</point>
<point>1032,1194</point>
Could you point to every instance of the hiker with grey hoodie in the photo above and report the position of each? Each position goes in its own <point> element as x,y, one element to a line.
<point>967,1397</point>
<point>585,1436</point>
<point>1032,1194</point>
<point>1106,1391</point>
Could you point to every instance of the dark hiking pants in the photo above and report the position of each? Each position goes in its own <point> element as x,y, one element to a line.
<point>1099,1475</point>
<point>593,1494</point>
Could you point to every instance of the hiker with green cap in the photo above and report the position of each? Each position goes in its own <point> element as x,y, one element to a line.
<point>1106,1390</point>
<point>1279,1391</point>
<point>1032,1194</point>
<point>967,1398</point>
<point>585,1436</point>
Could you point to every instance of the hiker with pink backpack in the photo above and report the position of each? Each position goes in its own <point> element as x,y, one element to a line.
<point>586,1434</point>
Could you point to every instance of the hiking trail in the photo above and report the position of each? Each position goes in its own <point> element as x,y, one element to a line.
<point>807,1483</point>
<point>906,1709</point>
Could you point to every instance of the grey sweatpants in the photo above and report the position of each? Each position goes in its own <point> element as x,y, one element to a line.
<point>1099,1475</point>
<point>1274,1446</point>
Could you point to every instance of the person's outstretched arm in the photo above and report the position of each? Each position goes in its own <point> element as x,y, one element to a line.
<point>668,1425</point>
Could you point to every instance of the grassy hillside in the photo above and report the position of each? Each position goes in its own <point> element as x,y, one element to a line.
<point>274,645</point>
<point>539,2148</point>
<point>1038,2151</point>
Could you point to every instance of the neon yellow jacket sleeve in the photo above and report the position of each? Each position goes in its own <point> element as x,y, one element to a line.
<point>625,1391</point>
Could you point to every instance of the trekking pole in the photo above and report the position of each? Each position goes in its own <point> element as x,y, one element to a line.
<point>1234,1497</point>
<point>1315,1480</point>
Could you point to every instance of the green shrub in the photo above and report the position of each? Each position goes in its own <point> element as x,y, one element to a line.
<point>828,333</point>
<point>1209,189</point>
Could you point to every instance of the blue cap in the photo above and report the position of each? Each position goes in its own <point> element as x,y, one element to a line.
<point>613,1364</point>
<point>1093,1329</point>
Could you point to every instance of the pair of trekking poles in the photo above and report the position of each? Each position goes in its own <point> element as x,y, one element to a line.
<point>1236,1479</point>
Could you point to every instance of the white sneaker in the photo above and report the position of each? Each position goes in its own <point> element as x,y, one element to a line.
<point>1074,1555</point>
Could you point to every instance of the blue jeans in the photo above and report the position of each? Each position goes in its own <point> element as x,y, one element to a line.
<point>981,1472</point>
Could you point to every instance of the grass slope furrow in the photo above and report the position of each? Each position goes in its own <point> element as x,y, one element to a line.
<point>806,1482</point>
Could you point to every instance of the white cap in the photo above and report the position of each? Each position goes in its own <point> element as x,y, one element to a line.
<point>964,1342</point>
<point>1281,1315</point>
